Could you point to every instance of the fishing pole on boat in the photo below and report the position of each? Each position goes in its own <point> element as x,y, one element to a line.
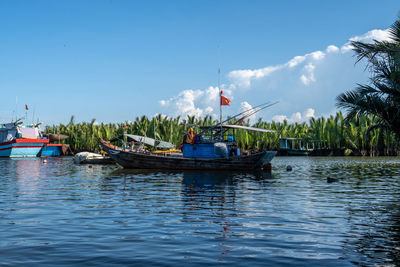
<point>250,109</point>
<point>254,112</point>
<point>237,115</point>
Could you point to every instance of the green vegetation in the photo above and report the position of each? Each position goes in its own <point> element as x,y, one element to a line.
<point>334,134</point>
<point>381,98</point>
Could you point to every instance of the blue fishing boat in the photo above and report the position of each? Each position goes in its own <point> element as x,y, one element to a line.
<point>51,150</point>
<point>54,148</point>
<point>212,148</point>
<point>18,140</point>
<point>208,150</point>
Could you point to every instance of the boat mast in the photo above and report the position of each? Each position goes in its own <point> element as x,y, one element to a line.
<point>16,110</point>
<point>220,93</point>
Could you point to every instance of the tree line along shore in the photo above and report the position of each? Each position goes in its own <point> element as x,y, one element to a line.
<point>335,135</point>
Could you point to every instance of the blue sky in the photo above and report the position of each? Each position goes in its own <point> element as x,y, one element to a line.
<point>116,60</point>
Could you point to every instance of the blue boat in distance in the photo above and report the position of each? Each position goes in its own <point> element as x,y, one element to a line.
<point>18,140</point>
<point>54,148</point>
<point>51,150</point>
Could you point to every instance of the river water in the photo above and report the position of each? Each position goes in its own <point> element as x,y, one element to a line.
<point>59,213</point>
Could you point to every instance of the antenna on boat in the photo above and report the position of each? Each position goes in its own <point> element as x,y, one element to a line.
<point>220,92</point>
<point>15,111</point>
<point>33,115</point>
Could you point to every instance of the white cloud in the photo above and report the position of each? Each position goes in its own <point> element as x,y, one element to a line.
<point>244,106</point>
<point>242,78</point>
<point>186,104</point>
<point>369,37</point>
<point>317,55</point>
<point>332,49</point>
<point>313,79</point>
<point>304,79</point>
<point>296,117</point>
<point>308,77</point>
<point>279,118</point>
<point>296,61</point>
<point>208,110</point>
<point>195,102</point>
<point>379,35</point>
<point>212,94</point>
<point>309,113</point>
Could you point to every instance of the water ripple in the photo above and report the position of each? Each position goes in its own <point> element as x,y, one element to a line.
<point>58,213</point>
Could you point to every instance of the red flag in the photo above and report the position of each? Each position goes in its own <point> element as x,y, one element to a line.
<point>26,107</point>
<point>225,101</point>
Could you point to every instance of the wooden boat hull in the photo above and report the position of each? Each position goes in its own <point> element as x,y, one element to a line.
<point>139,160</point>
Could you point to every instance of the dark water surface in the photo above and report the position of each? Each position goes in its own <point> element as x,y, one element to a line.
<point>59,213</point>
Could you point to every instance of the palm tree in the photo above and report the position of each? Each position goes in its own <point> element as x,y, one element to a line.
<point>380,98</point>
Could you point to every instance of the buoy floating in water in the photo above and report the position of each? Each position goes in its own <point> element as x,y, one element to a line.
<point>331,180</point>
<point>289,168</point>
<point>45,161</point>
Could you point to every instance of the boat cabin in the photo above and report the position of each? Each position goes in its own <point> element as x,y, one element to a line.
<point>11,131</point>
<point>8,132</point>
<point>214,141</point>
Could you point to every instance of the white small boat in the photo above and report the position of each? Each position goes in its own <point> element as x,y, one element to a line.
<point>91,158</point>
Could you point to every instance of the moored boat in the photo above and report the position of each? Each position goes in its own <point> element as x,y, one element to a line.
<point>92,158</point>
<point>54,148</point>
<point>293,147</point>
<point>17,140</point>
<point>213,148</point>
<point>51,150</point>
<point>200,152</point>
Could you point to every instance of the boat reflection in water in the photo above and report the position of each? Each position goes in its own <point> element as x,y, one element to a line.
<point>210,178</point>
<point>195,177</point>
<point>31,174</point>
<point>212,204</point>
